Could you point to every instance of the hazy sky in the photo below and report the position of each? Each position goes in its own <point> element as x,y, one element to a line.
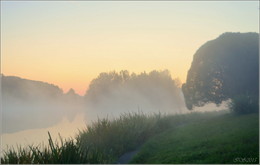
<point>70,43</point>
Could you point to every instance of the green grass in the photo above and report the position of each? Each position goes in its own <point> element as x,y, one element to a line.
<point>102,142</point>
<point>114,137</point>
<point>106,140</point>
<point>224,139</point>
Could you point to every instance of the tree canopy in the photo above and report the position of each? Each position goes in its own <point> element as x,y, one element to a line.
<point>118,91</point>
<point>223,68</point>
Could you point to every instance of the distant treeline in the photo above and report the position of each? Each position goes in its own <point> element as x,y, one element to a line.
<point>222,69</point>
<point>121,91</point>
<point>31,104</point>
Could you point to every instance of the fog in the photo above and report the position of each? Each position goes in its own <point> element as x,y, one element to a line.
<point>114,93</point>
<point>28,104</point>
<point>65,129</point>
<point>31,108</point>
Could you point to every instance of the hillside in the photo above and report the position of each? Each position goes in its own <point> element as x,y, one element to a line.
<point>27,104</point>
<point>224,139</point>
<point>209,137</point>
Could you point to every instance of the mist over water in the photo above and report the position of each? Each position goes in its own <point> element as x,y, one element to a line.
<point>65,129</point>
<point>31,109</point>
<point>28,104</point>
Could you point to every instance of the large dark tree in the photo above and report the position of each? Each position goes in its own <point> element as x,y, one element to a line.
<point>224,68</point>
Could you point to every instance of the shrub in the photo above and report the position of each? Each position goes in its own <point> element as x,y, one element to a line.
<point>244,104</point>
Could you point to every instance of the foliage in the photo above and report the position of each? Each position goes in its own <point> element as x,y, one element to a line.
<point>223,68</point>
<point>105,140</point>
<point>115,137</point>
<point>122,91</point>
<point>244,104</point>
<point>102,142</point>
<point>227,139</point>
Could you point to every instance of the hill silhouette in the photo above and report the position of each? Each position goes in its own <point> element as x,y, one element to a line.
<point>29,104</point>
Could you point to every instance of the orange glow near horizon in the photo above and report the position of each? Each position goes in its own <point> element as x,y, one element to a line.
<point>69,43</point>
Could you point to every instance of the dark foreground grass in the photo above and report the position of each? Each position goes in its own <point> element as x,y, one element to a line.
<point>224,139</point>
<point>67,152</point>
<point>106,140</point>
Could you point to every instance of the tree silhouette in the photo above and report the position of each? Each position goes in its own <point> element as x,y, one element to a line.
<point>118,91</point>
<point>223,68</point>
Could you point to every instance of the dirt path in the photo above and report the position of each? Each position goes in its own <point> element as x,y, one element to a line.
<point>127,157</point>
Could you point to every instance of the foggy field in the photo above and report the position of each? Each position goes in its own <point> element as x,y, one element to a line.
<point>212,118</point>
<point>129,82</point>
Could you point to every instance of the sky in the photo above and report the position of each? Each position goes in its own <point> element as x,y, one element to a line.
<point>68,43</point>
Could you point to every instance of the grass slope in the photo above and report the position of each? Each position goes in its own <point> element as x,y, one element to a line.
<point>227,138</point>
<point>211,137</point>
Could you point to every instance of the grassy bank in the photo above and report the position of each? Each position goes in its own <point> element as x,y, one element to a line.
<point>225,139</point>
<point>106,140</point>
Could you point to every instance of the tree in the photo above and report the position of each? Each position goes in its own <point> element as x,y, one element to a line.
<point>122,91</point>
<point>223,69</point>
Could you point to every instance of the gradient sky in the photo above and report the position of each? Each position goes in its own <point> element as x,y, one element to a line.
<point>70,43</point>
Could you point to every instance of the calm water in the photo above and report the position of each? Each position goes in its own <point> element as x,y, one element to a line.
<point>40,136</point>
<point>65,128</point>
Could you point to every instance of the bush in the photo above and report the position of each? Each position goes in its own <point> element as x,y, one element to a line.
<point>244,104</point>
